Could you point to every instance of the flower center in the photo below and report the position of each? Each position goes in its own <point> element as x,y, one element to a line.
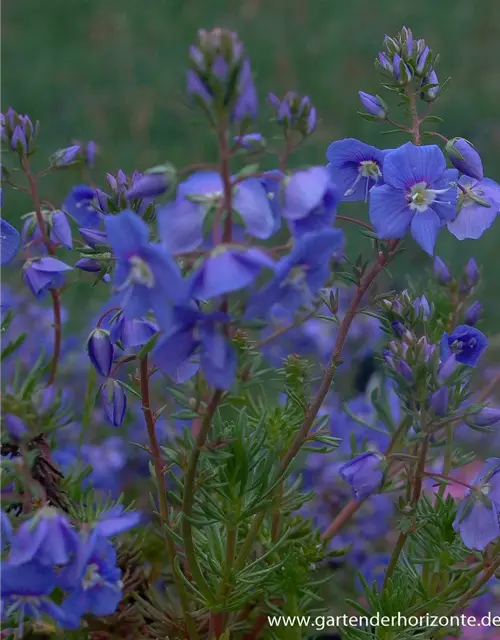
<point>420,197</point>
<point>369,169</point>
<point>457,346</point>
<point>91,577</point>
<point>140,273</point>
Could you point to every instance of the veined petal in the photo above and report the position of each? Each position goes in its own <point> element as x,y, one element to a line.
<point>11,241</point>
<point>180,225</point>
<point>472,221</point>
<point>411,164</point>
<point>304,192</point>
<point>127,233</point>
<point>425,228</point>
<point>389,212</point>
<point>251,201</point>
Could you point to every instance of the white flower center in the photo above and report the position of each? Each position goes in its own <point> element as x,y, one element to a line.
<point>369,170</point>
<point>91,577</point>
<point>140,273</point>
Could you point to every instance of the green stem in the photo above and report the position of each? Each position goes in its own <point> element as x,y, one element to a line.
<point>162,494</point>
<point>188,498</point>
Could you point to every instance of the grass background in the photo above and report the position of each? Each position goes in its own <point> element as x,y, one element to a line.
<point>114,71</point>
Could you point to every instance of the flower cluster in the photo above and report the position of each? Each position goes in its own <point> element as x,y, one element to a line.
<point>290,417</point>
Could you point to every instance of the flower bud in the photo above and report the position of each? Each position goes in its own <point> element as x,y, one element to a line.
<point>14,426</point>
<point>88,264</point>
<point>430,87</point>
<point>60,230</point>
<point>385,62</point>
<point>398,328</point>
<point>150,185</point>
<point>472,273</point>
<point>485,418</point>
<point>391,45</point>
<point>363,473</point>
<point>439,401</point>
<point>374,105</point>
<point>473,313</point>
<point>405,370</point>
<point>93,237</point>
<point>465,158</point>
<point>407,42</point>
<point>100,351</point>
<point>441,271</point>
<point>115,402</point>
<point>18,141</point>
<point>447,368</point>
<point>423,62</point>
<point>63,157</point>
<point>421,306</point>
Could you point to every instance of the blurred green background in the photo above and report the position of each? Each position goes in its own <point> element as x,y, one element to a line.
<point>114,71</point>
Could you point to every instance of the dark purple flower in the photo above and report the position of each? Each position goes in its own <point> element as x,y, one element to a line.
<point>355,168</point>
<point>373,105</point>
<point>227,269</point>
<point>364,473</point>
<point>115,402</point>
<point>81,204</point>
<point>44,274</point>
<point>418,194</point>
<point>465,158</point>
<point>10,242</point>
<point>100,351</point>
<point>466,343</point>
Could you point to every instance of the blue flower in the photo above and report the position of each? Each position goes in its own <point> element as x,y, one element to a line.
<point>115,402</point>
<point>44,274</point>
<point>227,269</point>
<point>146,275</point>
<point>180,222</point>
<point>10,242</point>
<point>60,231</point>
<point>5,530</point>
<point>81,204</point>
<point>25,591</point>
<point>355,167</point>
<point>193,330</point>
<point>116,520</point>
<point>93,580</point>
<point>466,343</point>
<point>364,473</point>
<point>48,537</point>
<point>100,351</point>
<point>478,207</point>
<point>299,275</point>
<point>477,518</point>
<point>133,332</point>
<point>309,200</point>
<point>417,195</point>
<point>465,158</point>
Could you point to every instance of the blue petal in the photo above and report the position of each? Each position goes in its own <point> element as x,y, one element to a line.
<point>180,225</point>
<point>479,527</point>
<point>472,221</point>
<point>389,212</point>
<point>10,242</point>
<point>304,192</point>
<point>50,265</point>
<point>425,228</point>
<point>251,201</point>
<point>409,165</point>
<point>127,233</point>
<point>201,183</point>
<point>174,350</point>
<point>218,361</point>
<point>32,580</point>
